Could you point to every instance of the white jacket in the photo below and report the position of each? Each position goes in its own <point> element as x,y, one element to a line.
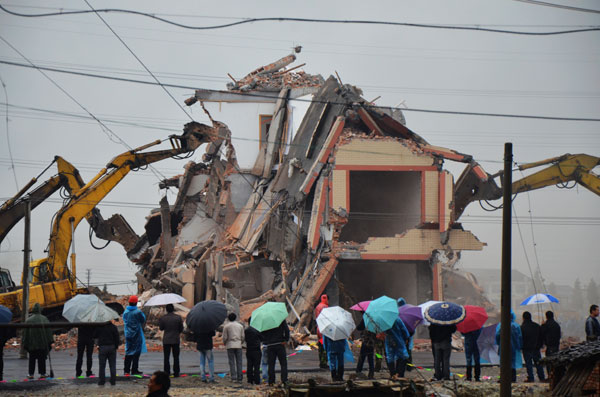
<point>233,335</point>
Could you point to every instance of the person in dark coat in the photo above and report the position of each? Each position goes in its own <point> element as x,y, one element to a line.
<point>159,385</point>
<point>532,342</point>
<point>441,342</point>
<point>551,334</point>
<point>253,354</point>
<point>37,341</point>
<point>5,335</point>
<point>275,340</point>
<point>367,349</point>
<point>204,344</point>
<point>85,344</point>
<point>592,325</point>
<point>335,355</point>
<point>472,354</point>
<point>172,326</point>
<point>108,343</point>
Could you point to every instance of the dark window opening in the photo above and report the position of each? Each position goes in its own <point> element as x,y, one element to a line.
<point>382,204</point>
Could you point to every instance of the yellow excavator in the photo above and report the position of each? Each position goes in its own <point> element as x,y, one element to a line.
<point>475,184</point>
<point>52,282</point>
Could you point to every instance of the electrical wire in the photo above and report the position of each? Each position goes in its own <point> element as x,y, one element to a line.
<point>564,7</point>
<point>273,98</point>
<point>140,61</point>
<point>305,20</point>
<point>8,145</point>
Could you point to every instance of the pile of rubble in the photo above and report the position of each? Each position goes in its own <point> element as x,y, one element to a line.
<point>277,231</point>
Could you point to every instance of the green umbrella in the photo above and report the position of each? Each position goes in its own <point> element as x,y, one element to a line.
<point>268,316</point>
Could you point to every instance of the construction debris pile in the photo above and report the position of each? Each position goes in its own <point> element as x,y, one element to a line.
<point>282,228</point>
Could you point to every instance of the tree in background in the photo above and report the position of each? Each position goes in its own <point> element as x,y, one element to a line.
<point>592,292</point>
<point>577,296</point>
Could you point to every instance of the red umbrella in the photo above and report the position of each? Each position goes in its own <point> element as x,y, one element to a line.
<point>474,319</point>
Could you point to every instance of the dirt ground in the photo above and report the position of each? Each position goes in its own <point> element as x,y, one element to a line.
<point>192,385</point>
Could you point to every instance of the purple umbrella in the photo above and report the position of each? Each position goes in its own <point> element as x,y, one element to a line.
<point>488,349</point>
<point>411,316</point>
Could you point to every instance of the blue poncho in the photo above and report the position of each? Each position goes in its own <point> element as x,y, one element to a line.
<point>516,342</point>
<point>395,342</point>
<point>134,320</point>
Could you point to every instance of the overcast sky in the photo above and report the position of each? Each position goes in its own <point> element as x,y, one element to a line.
<point>419,68</point>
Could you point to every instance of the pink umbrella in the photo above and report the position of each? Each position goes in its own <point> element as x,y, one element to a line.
<point>361,306</point>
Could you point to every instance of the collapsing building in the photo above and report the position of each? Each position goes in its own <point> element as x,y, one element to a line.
<point>323,192</point>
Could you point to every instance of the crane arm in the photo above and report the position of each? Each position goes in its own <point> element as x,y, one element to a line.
<point>85,199</point>
<point>13,210</point>
<point>476,184</point>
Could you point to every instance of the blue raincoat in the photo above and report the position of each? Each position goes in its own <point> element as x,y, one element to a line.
<point>134,320</point>
<point>395,342</point>
<point>402,302</point>
<point>516,342</point>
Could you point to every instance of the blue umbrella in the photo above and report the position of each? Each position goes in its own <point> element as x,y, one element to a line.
<point>445,313</point>
<point>381,314</point>
<point>206,316</point>
<point>539,298</point>
<point>5,315</point>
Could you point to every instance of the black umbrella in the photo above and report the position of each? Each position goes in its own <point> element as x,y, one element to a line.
<point>206,316</point>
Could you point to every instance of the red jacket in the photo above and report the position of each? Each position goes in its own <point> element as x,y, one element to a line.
<point>324,303</point>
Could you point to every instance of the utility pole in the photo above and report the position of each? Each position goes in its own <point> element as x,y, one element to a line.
<point>89,273</point>
<point>505,299</point>
<point>26,260</point>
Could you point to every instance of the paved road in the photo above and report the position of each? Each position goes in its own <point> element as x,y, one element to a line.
<point>63,362</point>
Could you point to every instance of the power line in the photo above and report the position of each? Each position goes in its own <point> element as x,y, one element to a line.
<point>140,61</point>
<point>306,20</point>
<point>264,96</point>
<point>8,145</point>
<point>546,4</point>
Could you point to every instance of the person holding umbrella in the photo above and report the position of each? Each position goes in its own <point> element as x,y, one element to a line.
<point>336,325</point>
<point>172,326</point>
<point>443,317</point>
<point>270,320</point>
<point>335,355</point>
<point>37,341</point>
<point>253,354</point>
<point>108,343</point>
<point>471,328</point>
<point>396,352</point>
<point>532,343</point>
<point>367,349</point>
<point>135,343</point>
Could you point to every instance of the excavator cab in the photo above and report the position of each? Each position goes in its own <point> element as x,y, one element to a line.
<point>6,282</point>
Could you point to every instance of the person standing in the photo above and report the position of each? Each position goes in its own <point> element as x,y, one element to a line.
<point>532,342</point>
<point>135,343</point>
<point>551,334</point>
<point>233,338</point>
<point>275,340</point>
<point>409,344</point>
<point>592,325</point>
<point>172,326</point>
<point>253,354</point>
<point>367,348</point>
<point>204,345</point>
<point>396,352</point>
<point>472,354</point>
<point>441,343</point>
<point>335,355</point>
<point>5,335</point>
<point>37,341</point>
<point>108,343</point>
<point>85,344</point>
<point>322,354</point>
<point>516,343</point>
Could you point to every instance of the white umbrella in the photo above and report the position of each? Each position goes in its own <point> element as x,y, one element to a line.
<point>335,323</point>
<point>424,306</point>
<point>87,308</point>
<point>164,299</point>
